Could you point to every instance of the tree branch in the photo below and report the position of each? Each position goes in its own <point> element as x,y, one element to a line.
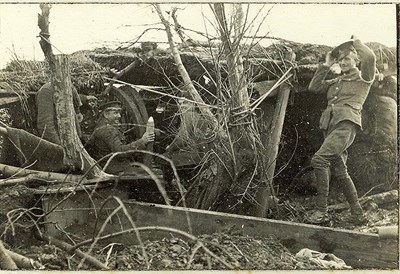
<point>182,71</point>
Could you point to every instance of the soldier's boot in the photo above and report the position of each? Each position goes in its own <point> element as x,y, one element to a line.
<point>320,215</point>
<point>357,216</point>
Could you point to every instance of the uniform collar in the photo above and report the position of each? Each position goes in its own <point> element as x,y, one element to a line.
<point>104,122</point>
<point>352,74</point>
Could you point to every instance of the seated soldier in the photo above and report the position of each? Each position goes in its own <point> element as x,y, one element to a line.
<point>46,112</point>
<point>108,138</point>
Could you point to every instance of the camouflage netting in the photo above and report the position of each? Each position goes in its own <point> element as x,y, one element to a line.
<point>29,76</point>
<point>24,78</point>
<point>372,160</point>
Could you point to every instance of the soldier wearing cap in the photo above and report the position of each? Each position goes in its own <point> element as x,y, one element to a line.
<point>108,138</point>
<point>339,122</point>
<point>46,112</point>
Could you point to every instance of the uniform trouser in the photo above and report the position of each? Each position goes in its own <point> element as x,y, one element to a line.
<point>331,159</point>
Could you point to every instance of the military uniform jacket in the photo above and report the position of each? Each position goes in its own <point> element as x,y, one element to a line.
<point>108,139</point>
<point>346,94</point>
<point>46,113</point>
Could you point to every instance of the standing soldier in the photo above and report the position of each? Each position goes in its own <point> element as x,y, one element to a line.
<point>340,121</point>
<point>46,112</point>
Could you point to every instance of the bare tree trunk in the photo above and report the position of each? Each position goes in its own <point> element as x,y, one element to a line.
<point>236,75</point>
<point>74,153</point>
<point>241,128</point>
<point>62,85</point>
<point>182,71</point>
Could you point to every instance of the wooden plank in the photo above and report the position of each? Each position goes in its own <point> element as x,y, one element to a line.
<point>360,250</point>
<point>264,192</point>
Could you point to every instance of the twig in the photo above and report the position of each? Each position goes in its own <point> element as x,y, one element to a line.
<point>178,182</point>
<point>241,253</point>
<point>160,187</point>
<point>256,103</point>
<point>191,258</point>
<point>45,175</point>
<point>69,249</point>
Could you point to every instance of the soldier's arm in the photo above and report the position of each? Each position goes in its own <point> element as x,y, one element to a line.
<point>367,60</point>
<point>114,142</point>
<point>318,83</point>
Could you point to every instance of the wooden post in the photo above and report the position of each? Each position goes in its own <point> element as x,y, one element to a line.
<point>264,193</point>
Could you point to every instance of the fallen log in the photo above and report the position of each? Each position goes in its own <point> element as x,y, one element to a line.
<point>23,262</point>
<point>3,131</point>
<point>43,175</point>
<point>5,260</point>
<point>20,180</point>
<point>383,198</point>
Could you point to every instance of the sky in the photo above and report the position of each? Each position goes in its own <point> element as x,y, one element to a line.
<point>76,27</point>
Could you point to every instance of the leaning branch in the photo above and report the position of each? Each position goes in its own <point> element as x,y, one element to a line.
<point>119,75</point>
<point>181,68</point>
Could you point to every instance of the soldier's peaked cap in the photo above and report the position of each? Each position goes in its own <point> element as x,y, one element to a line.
<point>112,104</point>
<point>343,49</point>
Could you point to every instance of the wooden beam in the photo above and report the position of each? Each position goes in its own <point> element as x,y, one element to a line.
<point>264,193</point>
<point>357,249</point>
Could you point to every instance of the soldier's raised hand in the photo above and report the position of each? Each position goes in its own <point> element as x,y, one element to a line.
<point>91,98</point>
<point>329,61</point>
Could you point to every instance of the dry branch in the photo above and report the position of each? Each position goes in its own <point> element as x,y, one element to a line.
<point>21,180</point>
<point>119,75</point>
<point>69,249</point>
